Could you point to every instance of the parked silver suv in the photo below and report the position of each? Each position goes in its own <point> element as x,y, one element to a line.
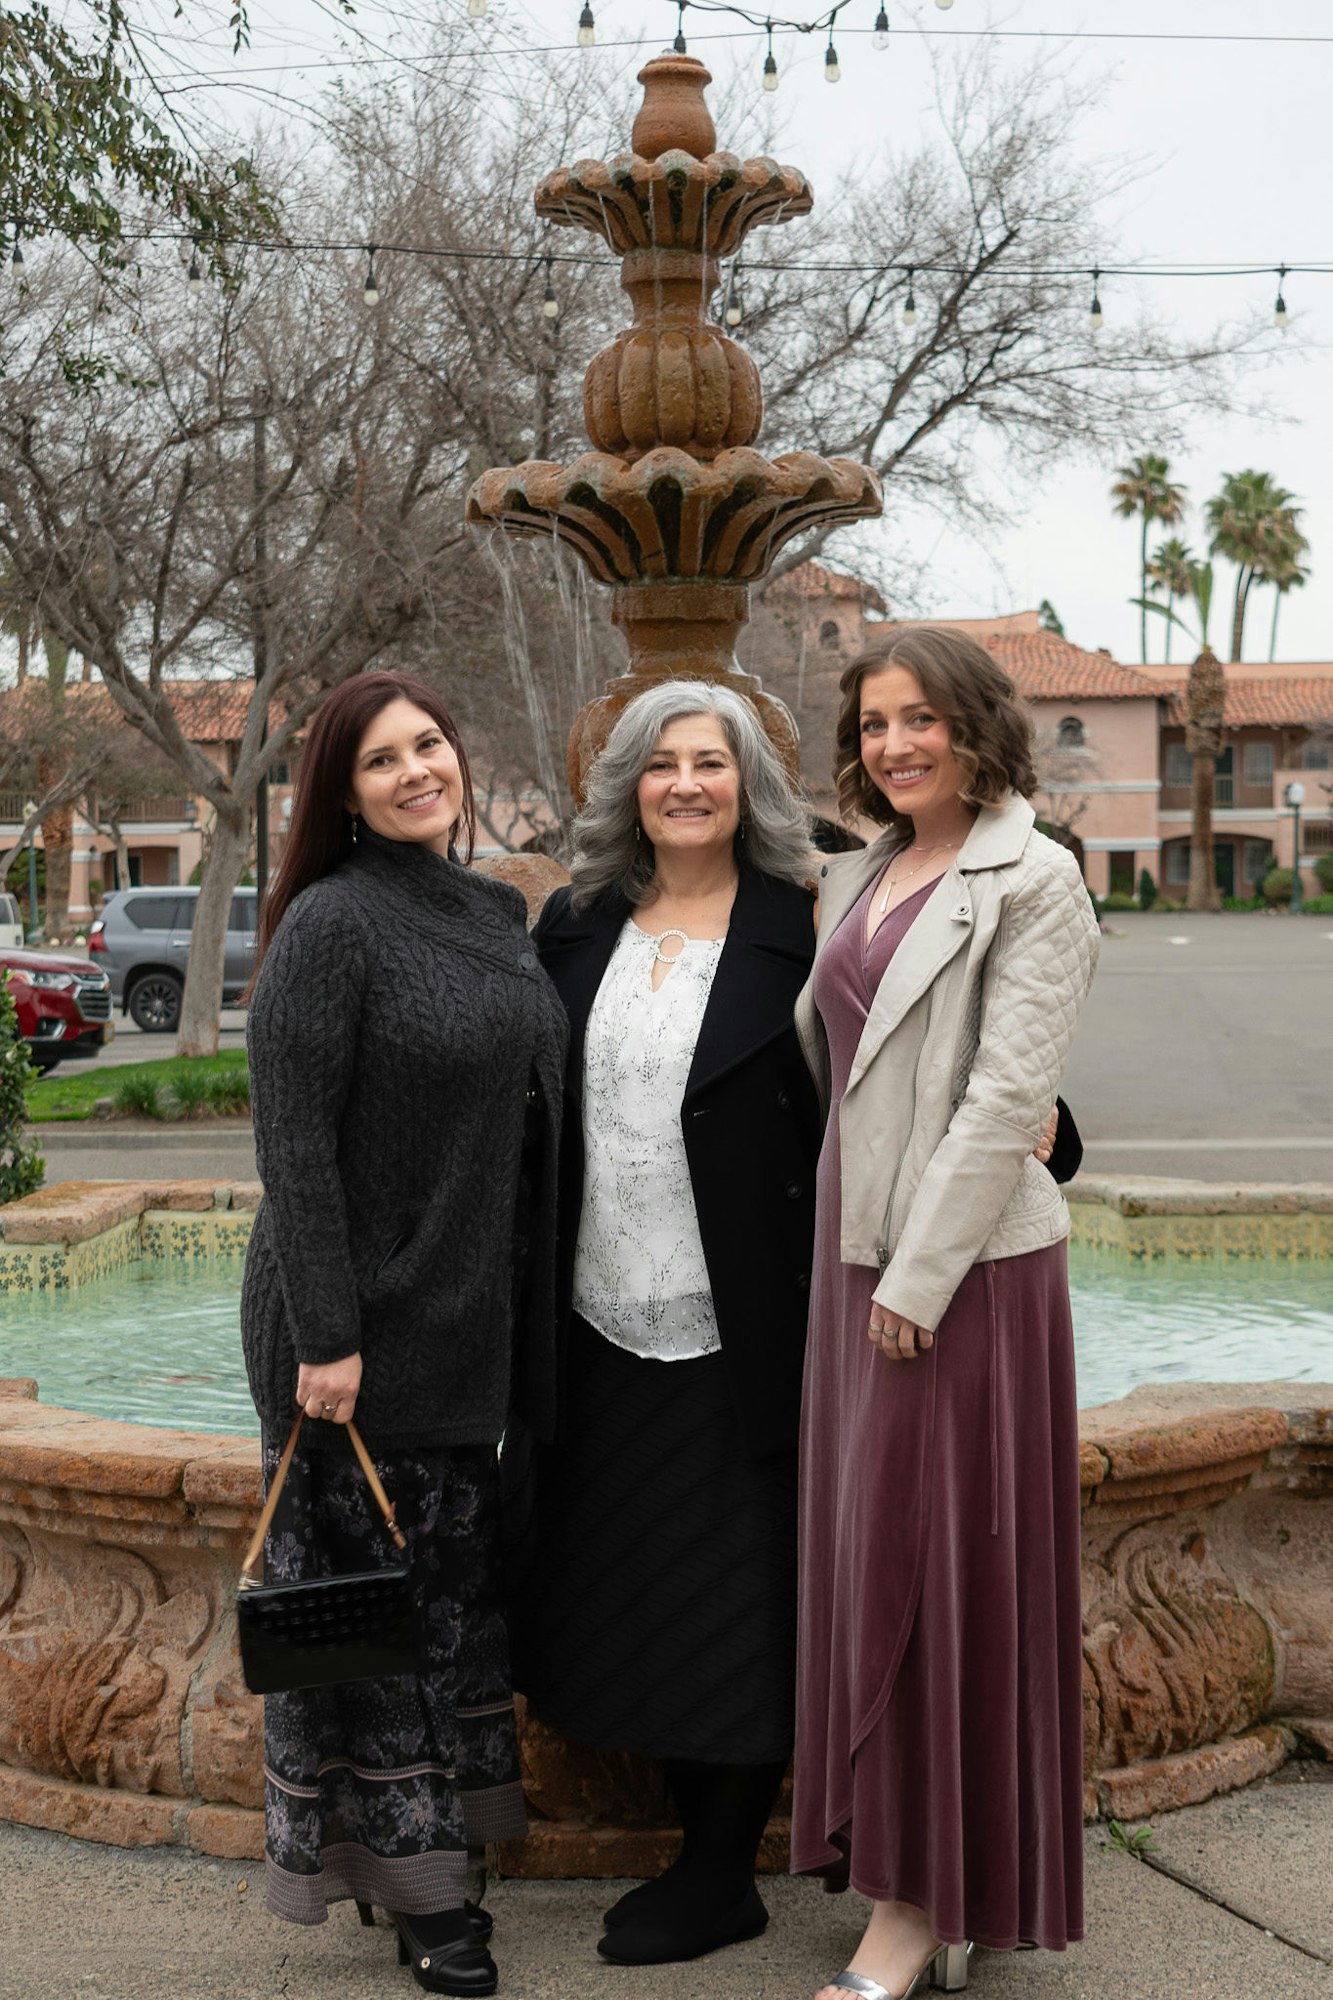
<point>143,939</point>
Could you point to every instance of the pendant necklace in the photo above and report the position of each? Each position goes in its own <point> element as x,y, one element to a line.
<point>940,847</point>
<point>659,956</point>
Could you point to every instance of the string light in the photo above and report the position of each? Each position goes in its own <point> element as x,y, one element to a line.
<point>770,63</point>
<point>370,294</point>
<point>880,37</point>
<point>476,10</point>
<point>1281,316</point>
<point>550,303</point>
<point>944,5</point>
<point>1097,315</point>
<point>587,28</point>
<point>678,46</point>
<point>194,277</point>
<point>832,70</point>
<point>16,260</point>
<point>909,309</point>
<point>733,311</point>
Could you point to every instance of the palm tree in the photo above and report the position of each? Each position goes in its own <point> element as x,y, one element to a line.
<point>1251,520</point>
<point>1142,487</point>
<point>1205,701</point>
<point>1172,567</point>
<point>1284,572</point>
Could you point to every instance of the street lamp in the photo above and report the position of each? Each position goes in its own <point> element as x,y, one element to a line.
<point>1294,796</point>
<point>30,821</point>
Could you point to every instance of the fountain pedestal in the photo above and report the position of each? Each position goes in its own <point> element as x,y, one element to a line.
<point>674,508</point>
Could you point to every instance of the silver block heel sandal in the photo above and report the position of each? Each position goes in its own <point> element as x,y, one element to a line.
<point>945,1971</point>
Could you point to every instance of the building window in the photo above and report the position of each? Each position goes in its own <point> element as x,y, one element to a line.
<point>1317,836</point>
<point>1257,764</point>
<point>173,867</point>
<point>1178,772</point>
<point>1315,757</point>
<point>1258,860</point>
<point>280,773</point>
<point>830,637</point>
<point>1071,734</point>
<point>1177,854</point>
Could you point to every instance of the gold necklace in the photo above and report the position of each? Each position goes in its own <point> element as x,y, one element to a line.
<point>940,847</point>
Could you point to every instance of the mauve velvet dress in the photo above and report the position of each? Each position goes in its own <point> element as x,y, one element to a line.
<point>939,1671</point>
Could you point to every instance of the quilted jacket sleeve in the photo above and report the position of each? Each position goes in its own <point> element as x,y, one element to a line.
<point>1037,976</point>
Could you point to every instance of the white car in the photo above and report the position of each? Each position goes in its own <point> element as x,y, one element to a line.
<point>11,923</point>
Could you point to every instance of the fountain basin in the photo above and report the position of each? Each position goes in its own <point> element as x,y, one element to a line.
<point>1208,1586</point>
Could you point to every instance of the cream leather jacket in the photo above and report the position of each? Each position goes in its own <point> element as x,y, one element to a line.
<point>959,1061</point>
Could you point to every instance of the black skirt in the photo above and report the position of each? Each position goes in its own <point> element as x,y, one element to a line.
<point>652,1567</point>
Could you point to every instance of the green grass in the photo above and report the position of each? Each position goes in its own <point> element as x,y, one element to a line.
<point>185,1085</point>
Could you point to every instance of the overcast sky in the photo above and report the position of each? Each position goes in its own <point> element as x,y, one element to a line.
<point>1234,143</point>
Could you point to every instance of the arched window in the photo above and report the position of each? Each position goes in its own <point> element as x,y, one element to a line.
<point>1071,734</point>
<point>830,638</point>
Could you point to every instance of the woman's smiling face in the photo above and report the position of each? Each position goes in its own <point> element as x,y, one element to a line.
<point>405,782</point>
<point>906,746</point>
<point>689,796</point>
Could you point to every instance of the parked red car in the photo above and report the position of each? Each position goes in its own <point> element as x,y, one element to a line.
<point>63,1002</point>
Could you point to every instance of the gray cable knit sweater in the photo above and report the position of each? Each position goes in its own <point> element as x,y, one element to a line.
<point>398,1026</point>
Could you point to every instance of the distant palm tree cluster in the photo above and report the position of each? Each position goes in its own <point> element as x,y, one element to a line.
<point>1251,522</point>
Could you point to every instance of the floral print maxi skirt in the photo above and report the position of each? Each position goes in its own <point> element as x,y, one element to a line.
<point>376,1789</point>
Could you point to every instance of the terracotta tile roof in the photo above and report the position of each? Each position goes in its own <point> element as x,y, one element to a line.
<point>1046,667</point>
<point>208,711</point>
<point>812,579</point>
<point>1272,702</point>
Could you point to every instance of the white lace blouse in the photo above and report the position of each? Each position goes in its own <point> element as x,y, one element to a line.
<point>639,1272</point>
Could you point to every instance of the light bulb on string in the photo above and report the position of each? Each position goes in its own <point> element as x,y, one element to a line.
<point>733,310</point>
<point>370,293</point>
<point>678,45</point>
<point>880,38</point>
<point>832,69</point>
<point>16,261</point>
<point>770,63</point>
<point>194,277</point>
<point>476,10</point>
<point>944,5</point>
<point>550,303</point>
<point>587,28</point>
<point>1281,317</point>
<point>909,308</point>
<point>1097,315</point>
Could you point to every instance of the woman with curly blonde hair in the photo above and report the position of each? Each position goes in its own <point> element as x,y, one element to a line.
<point>939,1682</point>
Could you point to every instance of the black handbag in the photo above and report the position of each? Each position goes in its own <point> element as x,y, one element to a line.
<point>326,1629</point>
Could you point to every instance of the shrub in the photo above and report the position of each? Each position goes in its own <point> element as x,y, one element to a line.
<point>138,1097</point>
<point>1323,869</point>
<point>1239,903</point>
<point>229,1092</point>
<point>21,1166</point>
<point>191,1090</point>
<point>1276,886</point>
<point>1119,899</point>
<point>1319,906</point>
<point>1147,890</point>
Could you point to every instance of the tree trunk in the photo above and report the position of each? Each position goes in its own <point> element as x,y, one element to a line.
<point>1272,637</point>
<point>1143,588</point>
<point>1205,702</point>
<point>202,1002</point>
<point>1170,605</point>
<point>58,840</point>
<point>1238,613</point>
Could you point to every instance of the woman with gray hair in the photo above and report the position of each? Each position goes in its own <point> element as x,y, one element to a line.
<point>654,1590</point>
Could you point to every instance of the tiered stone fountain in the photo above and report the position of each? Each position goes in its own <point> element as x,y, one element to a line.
<point>674,508</point>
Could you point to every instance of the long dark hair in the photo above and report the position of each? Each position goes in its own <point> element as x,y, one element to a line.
<point>990,730</point>
<point>321,829</point>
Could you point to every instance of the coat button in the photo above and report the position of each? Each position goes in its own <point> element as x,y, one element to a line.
<point>881,1255</point>
<point>824,870</point>
<point>794,1190</point>
<point>784,1101</point>
<point>527,961</point>
<point>803,1282</point>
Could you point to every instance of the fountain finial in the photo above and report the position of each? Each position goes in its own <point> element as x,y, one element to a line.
<point>673,117</point>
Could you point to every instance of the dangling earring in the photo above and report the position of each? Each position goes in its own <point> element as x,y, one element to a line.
<point>741,835</point>
<point>354,819</point>
<point>636,833</point>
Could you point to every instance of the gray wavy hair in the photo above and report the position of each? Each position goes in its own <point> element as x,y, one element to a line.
<point>775,821</point>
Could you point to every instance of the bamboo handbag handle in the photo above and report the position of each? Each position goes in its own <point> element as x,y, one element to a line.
<point>386,1507</point>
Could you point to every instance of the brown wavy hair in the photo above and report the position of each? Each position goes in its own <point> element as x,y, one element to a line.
<point>321,828</point>
<point>990,730</point>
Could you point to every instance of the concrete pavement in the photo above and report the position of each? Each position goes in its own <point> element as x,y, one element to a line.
<point>115,1924</point>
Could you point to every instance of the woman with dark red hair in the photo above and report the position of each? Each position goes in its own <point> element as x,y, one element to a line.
<point>406,1060</point>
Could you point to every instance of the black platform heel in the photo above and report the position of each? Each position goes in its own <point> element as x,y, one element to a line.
<point>462,1966</point>
<point>482,1922</point>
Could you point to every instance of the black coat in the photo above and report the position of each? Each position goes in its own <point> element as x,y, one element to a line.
<point>752,1130</point>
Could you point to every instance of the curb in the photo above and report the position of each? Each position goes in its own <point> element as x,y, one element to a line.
<point>83,1134</point>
